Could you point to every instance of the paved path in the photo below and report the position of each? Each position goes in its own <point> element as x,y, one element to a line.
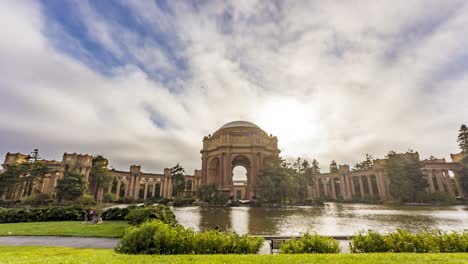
<point>97,242</point>
<point>76,242</point>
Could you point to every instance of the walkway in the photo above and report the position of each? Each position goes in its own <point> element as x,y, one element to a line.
<point>75,242</point>
<point>99,242</point>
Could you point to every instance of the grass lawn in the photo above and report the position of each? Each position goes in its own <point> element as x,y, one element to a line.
<point>64,228</point>
<point>107,256</point>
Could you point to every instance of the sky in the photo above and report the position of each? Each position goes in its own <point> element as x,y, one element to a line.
<point>141,82</point>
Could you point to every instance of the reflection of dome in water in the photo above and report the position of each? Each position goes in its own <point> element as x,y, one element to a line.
<point>239,124</point>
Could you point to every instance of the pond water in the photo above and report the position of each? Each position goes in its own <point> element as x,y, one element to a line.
<point>329,219</point>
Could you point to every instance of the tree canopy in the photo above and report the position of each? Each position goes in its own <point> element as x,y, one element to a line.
<point>178,180</point>
<point>71,187</point>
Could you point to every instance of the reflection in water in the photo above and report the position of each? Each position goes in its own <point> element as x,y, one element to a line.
<point>330,219</point>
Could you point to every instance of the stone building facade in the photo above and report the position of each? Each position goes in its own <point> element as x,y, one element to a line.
<point>240,143</point>
<point>237,143</point>
<point>133,184</point>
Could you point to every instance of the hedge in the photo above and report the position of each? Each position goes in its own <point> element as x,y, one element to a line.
<point>157,237</point>
<point>310,243</point>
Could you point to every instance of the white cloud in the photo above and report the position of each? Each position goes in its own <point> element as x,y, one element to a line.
<point>334,80</point>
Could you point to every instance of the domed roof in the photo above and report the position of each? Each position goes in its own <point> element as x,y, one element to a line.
<point>240,123</point>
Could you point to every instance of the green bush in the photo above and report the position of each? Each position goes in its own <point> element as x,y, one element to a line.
<point>310,243</point>
<point>140,215</point>
<point>109,198</point>
<point>51,213</point>
<point>404,241</point>
<point>164,201</point>
<point>156,237</point>
<point>182,201</point>
<point>115,213</point>
<point>87,199</point>
<point>37,199</point>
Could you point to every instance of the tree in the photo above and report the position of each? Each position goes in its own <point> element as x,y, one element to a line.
<point>178,179</point>
<point>100,176</point>
<point>365,164</point>
<point>71,187</point>
<point>24,174</point>
<point>333,167</point>
<point>280,182</point>
<point>406,178</point>
<point>206,193</point>
<point>463,139</point>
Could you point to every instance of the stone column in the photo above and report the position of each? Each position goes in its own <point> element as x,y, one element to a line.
<point>369,185</point>
<point>127,187</point>
<point>361,187</point>
<point>153,193</point>
<point>146,189</point>
<point>109,188</point>
<point>459,187</point>
<point>117,191</point>
<point>430,181</point>
<point>333,188</point>
<point>130,186</point>
<point>343,190</point>
<point>379,188</point>
<point>351,185</point>
<point>448,183</point>
<point>439,181</point>
<point>161,189</point>
<point>325,186</point>
<point>136,188</point>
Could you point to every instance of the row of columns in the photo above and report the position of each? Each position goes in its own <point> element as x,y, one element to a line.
<point>443,181</point>
<point>347,186</point>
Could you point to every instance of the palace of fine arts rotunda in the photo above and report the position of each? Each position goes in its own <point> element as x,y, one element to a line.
<point>238,144</point>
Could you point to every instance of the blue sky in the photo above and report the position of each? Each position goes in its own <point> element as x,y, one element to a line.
<point>142,82</point>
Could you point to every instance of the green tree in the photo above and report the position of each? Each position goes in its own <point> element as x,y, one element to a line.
<point>25,174</point>
<point>463,139</point>
<point>333,167</point>
<point>71,187</point>
<point>100,176</point>
<point>406,178</point>
<point>178,179</point>
<point>206,193</point>
<point>365,164</point>
<point>280,182</point>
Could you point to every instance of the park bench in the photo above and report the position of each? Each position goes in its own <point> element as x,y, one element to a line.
<point>275,244</point>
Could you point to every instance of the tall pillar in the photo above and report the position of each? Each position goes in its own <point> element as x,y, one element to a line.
<point>109,188</point>
<point>333,188</point>
<point>430,181</point>
<point>146,189</point>
<point>344,192</point>
<point>361,187</point>
<point>379,188</point>
<point>448,182</point>
<point>153,193</point>
<point>130,186</point>
<point>352,187</point>
<point>117,191</point>
<point>325,186</point>
<point>369,185</point>
<point>161,189</point>
<point>459,187</point>
<point>136,188</point>
<point>127,187</point>
<point>439,181</point>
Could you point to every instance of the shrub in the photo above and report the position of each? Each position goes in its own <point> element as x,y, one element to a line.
<point>368,242</point>
<point>164,201</point>
<point>87,199</point>
<point>109,198</point>
<point>115,213</point>
<point>156,237</point>
<point>182,201</point>
<point>51,213</point>
<point>310,243</point>
<point>140,215</point>
<point>404,241</point>
<point>37,199</point>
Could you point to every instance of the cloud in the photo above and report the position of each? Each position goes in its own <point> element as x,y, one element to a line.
<point>142,82</point>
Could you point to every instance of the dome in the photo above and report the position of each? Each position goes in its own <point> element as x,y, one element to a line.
<point>239,124</point>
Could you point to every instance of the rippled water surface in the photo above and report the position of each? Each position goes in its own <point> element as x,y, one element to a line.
<point>330,219</point>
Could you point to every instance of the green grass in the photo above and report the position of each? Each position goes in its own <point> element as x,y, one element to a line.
<point>64,228</point>
<point>107,256</point>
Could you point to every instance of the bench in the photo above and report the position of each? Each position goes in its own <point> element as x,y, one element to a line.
<point>275,245</point>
